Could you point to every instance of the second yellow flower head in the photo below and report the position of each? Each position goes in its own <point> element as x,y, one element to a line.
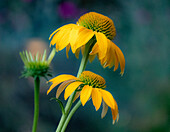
<point>91,26</point>
<point>87,85</point>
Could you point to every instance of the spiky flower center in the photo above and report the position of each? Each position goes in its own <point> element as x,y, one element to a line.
<point>99,23</point>
<point>92,79</point>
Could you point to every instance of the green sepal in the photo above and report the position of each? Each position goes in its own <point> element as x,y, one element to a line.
<point>61,104</point>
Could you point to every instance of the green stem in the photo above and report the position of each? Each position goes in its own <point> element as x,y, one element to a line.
<point>83,61</point>
<point>70,115</point>
<point>64,116</point>
<point>36,103</point>
<point>70,100</point>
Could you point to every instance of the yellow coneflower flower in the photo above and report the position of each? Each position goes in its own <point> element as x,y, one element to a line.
<point>88,85</point>
<point>91,26</point>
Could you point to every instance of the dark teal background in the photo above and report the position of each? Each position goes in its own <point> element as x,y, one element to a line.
<point>143,93</point>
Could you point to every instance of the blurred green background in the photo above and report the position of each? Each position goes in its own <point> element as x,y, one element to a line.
<point>143,93</point>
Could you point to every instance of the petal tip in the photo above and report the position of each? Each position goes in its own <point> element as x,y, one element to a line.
<point>48,92</point>
<point>65,96</point>
<point>113,122</point>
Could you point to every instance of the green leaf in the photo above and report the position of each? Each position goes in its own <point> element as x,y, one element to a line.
<point>61,104</point>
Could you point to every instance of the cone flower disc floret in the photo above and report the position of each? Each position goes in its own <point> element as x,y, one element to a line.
<point>91,26</point>
<point>87,85</point>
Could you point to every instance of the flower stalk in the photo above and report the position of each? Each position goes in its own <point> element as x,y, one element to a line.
<point>36,67</point>
<point>36,103</point>
<point>82,67</point>
<point>70,115</point>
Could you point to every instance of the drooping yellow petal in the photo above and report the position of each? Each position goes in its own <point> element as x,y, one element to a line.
<point>85,94</point>
<point>63,27</point>
<point>116,62</point>
<point>111,56</point>
<point>59,79</point>
<point>64,40</point>
<point>76,96</point>
<point>71,88</point>
<point>108,98</point>
<point>96,98</point>
<point>55,38</point>
<point>83,37</point>
<point>74,34</point>
<point>62,78</point>
<point>121,59</point>
<point>62,87</point>
<point>103,61</point>
<point>58,37</point>
<point>104,110</point>
<point>100,56</point>
<point>54,33</point>
<point>77,53</point>
<point>106,60</point>
<point>95,49</point>
<point>115,115</point>
<point>91,58</point>
<point>102,43</point>
<point>67,50</point>
<point>82,49</point>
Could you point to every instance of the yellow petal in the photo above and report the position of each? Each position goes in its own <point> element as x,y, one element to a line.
<point>100,56</point>
<point>76,96</point>
<point>77,53</point>
<point>57,37</point>
<point>121,59</point>
<point>54,33</point>
<point>71,88</point>
<point>64,39</point>
<point>73,35</point>
<point>67,50</point>
<point>103,61</point>
<point>83,37</point>
<point>108,98</point>
<point>102,43</point>
<point>115,115</point>
<point>85,94</point>
<point>59,79</point>
<point>61,38</point>
<point>63,27</point>
<point>82,49</point>
<point>104,110</point>
<point>96,98</point>
<point>111,56</point>
<point>91,58</point>
<point>62,87</point>
<point>116,62</point>
<point>95,49</point>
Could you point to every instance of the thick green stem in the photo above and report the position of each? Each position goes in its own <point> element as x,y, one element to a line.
<point>69,103</point>
<point>83,61</point>
<point>64,116</point>
<point>70,115</point>
<point>36,103</point>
